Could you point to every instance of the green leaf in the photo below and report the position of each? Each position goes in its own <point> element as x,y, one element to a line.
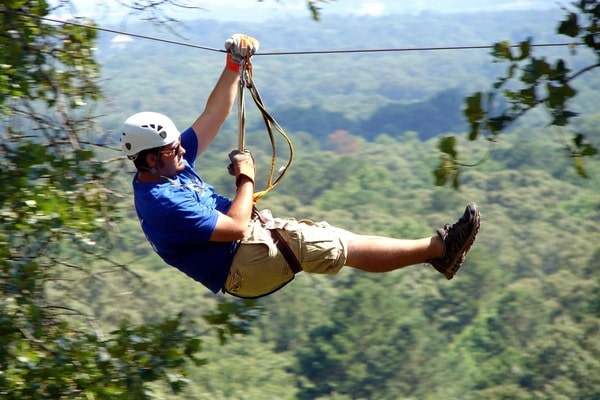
<point>447,171</point>
<point>580,168</point>
<point>584,149</point>
<point>528,96</point>
<point>474,113</point>
<point>560,72</point>
<point>498,123</point>
<point>591,41</point>
<point>569,26</point>
<point>589,151</point>
<point>562,117</point>
<point>525,48</point>
<point>447,145</point>
<point>501,50</point>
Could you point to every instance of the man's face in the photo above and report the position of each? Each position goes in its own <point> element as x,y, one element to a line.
<point>171,159</point>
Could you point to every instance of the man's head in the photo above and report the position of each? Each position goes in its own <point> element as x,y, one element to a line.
<point>146,136</point>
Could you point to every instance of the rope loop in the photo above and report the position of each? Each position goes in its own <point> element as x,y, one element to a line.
<point>247,83</point>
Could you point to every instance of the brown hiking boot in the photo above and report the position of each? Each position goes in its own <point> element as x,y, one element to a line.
<point>458,239</point>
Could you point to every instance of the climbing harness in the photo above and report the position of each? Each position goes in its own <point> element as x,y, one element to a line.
<point>247,82</point>
<point>281,244</point>
<point>278,281</point>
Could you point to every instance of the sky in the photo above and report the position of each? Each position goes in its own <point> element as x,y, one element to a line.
<point>239,10</point>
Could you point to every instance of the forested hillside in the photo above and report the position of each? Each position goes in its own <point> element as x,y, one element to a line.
<point>521,320</point>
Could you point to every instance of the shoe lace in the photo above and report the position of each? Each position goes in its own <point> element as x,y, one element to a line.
<point>455,234</point>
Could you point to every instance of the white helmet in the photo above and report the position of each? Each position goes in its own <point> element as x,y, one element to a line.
<point>147,130</point>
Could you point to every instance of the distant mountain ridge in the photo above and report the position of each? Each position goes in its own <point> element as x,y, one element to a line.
<point>366,94</point>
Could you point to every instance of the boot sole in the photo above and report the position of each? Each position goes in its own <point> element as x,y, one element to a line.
<point>455,266</point>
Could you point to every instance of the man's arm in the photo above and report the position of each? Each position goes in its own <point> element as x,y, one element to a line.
<point>218,107</point>
<point>233,225</point>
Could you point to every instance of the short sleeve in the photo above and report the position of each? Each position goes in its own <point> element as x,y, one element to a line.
<point>189,141</point>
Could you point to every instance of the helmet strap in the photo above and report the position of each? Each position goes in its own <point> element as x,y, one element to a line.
<point>154,170</point>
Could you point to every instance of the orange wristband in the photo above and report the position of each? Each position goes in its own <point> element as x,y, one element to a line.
<point>232,65</point>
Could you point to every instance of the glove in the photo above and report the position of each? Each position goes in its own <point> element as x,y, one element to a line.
<point>242,163</point>
<point>240,47</point>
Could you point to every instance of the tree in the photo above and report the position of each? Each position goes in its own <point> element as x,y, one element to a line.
<point>530,83</point>
<point>365,349</point>
<point>57,216</point>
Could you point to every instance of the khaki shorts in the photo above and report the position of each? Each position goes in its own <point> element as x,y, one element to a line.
<point>259,268</point>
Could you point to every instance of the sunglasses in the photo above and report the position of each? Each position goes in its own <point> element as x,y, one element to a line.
<point>173,151</point>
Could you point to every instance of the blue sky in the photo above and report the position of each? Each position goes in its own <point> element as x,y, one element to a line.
<point>237,10</point>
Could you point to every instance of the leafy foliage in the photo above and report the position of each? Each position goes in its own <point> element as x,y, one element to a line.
<point>57,221</point>
<point>44,358</point>
<point>529,284</point>
<point>520,321</point>
<point>539,83</point>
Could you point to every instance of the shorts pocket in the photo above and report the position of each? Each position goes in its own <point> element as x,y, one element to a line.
<point>258,268</point>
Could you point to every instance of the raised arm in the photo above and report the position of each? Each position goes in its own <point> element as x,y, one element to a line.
<point>218,107</point>
<point>221,99</point>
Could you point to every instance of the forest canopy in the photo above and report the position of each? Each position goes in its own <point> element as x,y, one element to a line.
<point>89,311</point>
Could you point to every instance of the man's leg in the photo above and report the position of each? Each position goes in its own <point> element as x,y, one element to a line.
<point>445,252</point>
<point>381,254</point>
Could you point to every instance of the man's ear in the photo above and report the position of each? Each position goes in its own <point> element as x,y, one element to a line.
<point>151,160</point>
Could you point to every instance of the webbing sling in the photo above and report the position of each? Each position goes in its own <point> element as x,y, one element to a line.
<point>281,244</point>
<point>246,82</point>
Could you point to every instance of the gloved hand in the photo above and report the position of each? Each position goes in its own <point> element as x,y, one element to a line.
<point>242,163</point>
<point>240,46</point>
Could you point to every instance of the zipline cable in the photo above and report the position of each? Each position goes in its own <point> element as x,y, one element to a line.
<point>474,47</point>
<point>280,53</point>
<point>246,82</point>
<point>118,32</point>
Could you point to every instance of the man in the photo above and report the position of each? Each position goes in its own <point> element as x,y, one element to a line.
<point>226,244</point>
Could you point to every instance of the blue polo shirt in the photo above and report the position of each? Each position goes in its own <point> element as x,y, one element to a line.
<point>178,218</point>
